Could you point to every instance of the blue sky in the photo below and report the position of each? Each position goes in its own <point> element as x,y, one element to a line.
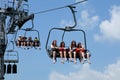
<point>99,18</point>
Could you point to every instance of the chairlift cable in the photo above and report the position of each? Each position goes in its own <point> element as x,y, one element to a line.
<point>60,7</point>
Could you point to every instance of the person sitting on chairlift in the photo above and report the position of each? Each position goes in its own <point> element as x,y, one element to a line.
<point>24,42</point>
<point>54,49</point>
<point>80,52</point>
<point>19,40</point>
<point>84,54</point>
<point>30,42</point>
<point>72,51</point>
<point>62,51</point>
<point>36,42</point>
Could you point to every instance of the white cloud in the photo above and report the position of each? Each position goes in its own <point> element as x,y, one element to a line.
<point>86,20</point>
<point>85,73</point>
<point>110,29</point>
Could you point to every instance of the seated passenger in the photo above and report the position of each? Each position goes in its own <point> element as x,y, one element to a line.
<point>84,54</point>
<point>30,42</point>
<point>62,51</point>
<point>72,51</point>
<point>36,42</point>
<point>18,42</point>
<point>80,52</point>
<point>54,50</point>
<point>24,41</point>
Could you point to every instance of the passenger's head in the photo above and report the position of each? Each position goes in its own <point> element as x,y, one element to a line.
<point>30,38</point>
<point>73,43</point>
<point>54,43</point>
<point>79,45</point>
<point>62,44</point>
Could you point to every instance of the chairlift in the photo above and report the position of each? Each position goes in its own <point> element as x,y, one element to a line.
<point>66,29</point>
<point>11,56</point>
<point>25,9</point>
<point>26,43</point>
<point>11,4</point>
<point>36,41</point>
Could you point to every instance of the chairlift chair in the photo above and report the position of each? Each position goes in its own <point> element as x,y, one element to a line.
<point>67,29</point>
<point>11,56</point>
<point>25,9</point>
<point>25,33</point>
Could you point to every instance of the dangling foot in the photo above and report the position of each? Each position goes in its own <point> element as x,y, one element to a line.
<point>65,59</point>
<point>39,48</point>
<point>89,61</point>
<point>54,61</point>
<point>62,61</point>
<point>71,60</point>
<point>25,47</point>
<point>75,62</point>
<point>82,61</point>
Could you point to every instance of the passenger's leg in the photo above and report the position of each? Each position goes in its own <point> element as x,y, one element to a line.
<point>22,43</point>
<point>65,57</point>
<point>88,58</point>
<point>80,57</point>
<point>18,43</point>
<point>83,57</point>
<point>70,56</point>
<point>25,44</point>
<point>61,56</point>
<point>74,57</point>
<point>31,44</point>
<point>54,56</point>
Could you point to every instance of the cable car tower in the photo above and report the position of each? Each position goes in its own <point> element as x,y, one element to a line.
<point>13,14</point>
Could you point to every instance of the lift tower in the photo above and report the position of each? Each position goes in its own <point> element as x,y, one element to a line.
<point>2,45</point>
<point>13,15</point>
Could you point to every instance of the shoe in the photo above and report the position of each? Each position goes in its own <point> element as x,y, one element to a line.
<point>89,61</point>
<point>83,61</point>
<point>71,60</point>
<point>75,62</point>
<point>39,48</point>
<point>54,61</point>
<point>25,48</point>
<point>62,61</point>
<point>65,59</point>
<point>80,60</point>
